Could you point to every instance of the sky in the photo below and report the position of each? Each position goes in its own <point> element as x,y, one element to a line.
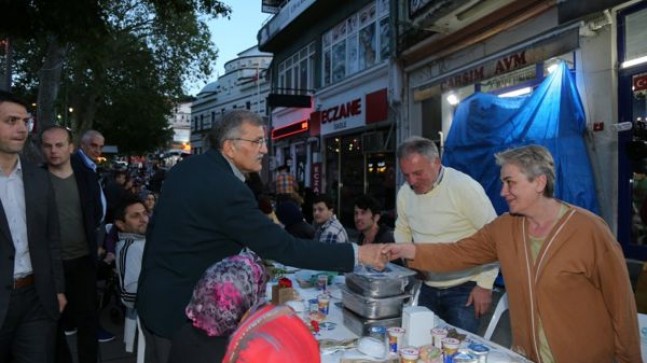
<point>233,35</point>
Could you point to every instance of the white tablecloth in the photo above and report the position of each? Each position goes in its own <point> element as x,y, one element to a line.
<point>498,353</point>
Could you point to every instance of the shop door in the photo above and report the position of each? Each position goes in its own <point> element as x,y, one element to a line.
<point>380,181</point>
<point>632,164</point>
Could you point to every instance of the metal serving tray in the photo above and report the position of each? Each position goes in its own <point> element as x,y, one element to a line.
<point>362,326</point>
<point>393,280</point>
<point>372,308</point>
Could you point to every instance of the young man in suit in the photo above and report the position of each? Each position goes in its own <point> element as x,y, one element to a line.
<point>79,213</point>
<point>206,213</point>
<point>33,279</point>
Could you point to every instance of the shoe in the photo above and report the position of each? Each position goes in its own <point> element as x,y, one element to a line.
<point>70,332</point>
<point>104,336</point>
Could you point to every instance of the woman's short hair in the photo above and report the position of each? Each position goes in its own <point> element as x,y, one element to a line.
<point>229,126</point>
<point>534,161</point>
<point>417,145</point>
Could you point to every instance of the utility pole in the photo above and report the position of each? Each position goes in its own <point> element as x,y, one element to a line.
<point>5,83</point>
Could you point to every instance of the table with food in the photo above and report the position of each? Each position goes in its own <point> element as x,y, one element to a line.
<point>372,316</point>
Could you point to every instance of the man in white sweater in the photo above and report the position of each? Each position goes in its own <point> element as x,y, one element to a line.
<point>442,205</point>
<point>131,219</point>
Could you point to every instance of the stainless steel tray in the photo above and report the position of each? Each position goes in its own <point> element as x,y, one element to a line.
<point>373,308</point>
<point>362,326</point>
<point>393,280</point>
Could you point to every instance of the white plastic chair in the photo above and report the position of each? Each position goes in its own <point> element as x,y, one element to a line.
<point>501,307</point>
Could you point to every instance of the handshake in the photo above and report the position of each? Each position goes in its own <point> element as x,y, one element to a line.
<point>378,255</point>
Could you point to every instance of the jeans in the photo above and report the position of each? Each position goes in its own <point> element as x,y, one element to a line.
<point>449,305</point>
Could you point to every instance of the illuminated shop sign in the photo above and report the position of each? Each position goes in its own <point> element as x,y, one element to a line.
<point>342,116</point>
<point>289,130</point>
<point>339,112</point>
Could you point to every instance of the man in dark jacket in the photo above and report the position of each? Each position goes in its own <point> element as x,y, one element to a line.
<point>79,211</point>
<point>30,273</point>
<point>206,213</point>
<point>368,212</point>
<point>290,216</point>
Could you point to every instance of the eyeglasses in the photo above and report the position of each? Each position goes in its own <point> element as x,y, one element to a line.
<point>14,120</point>
<point>259,142</point>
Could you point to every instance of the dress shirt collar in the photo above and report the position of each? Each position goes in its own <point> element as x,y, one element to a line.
<point>239,174</point>
<point>133,236</point>
<point>17,169</point>
<point>87,160</point>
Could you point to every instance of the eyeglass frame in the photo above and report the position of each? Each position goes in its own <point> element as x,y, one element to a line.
<point>259,142</point>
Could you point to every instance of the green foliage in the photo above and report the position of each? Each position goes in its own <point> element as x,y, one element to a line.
<point>125,62</point>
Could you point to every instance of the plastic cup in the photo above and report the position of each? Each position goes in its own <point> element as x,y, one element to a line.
<point>322,282</point>
<point>395,335</point>
<point>409,355</point>
<point>450,346</point>
<point>323,301</point>
<point>437,336</point>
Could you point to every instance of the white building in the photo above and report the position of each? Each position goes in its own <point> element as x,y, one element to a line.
<point>180,123</point>
<point>243,86</point>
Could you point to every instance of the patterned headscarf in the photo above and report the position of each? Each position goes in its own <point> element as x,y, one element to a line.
<point>225,292</point>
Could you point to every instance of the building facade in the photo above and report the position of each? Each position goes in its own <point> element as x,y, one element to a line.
<point>449,52</point>
<point>370,88</point>
<point>329,99</point>
<point>180,123</point>
<point>243,86</point>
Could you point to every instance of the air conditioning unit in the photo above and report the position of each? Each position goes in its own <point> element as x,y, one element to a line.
<point>373,142</point>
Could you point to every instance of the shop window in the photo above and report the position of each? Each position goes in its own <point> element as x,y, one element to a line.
<point>635,46</point>
<point>357,43</point>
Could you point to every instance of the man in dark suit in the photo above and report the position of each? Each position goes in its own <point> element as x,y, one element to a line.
<point>86,157</point>
<point>79,211</point>
<point>31,274</point>
<point>206,213</point>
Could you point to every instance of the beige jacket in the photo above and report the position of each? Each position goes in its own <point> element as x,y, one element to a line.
<point>579,285</point>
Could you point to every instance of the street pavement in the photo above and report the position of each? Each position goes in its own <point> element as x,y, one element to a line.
<point>114,351</point>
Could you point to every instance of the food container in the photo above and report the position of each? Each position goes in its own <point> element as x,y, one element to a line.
<point>437,336</point>
<point>372,308</point>
<point>450,346</point>
<point>480,351</point>
<point>323,302</point>
<point>394,336</point>
<point>409,355</point>
<point>464,358</point>
<point>392,281</point>
<point>362,326</point>
<point>430,354</point>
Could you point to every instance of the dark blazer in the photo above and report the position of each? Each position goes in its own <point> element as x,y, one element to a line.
<point>384,235</point>
<point>43,240</point>
<point>87,181</point>
<point>205,213</point>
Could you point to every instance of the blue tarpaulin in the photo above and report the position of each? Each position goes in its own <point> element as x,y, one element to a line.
<point>551,116</point>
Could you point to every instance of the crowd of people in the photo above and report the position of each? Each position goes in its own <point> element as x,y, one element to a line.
<point>188,251</point>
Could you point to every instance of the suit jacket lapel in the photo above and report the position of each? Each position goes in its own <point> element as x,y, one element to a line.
<point>4,226</point>
<point>29,186</point>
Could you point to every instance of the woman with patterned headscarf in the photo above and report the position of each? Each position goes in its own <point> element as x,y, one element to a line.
<point>224,293</point>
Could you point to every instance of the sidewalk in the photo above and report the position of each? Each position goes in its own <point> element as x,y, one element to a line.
<point>114,351</point>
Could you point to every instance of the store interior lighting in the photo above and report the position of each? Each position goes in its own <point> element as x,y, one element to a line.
<point>551,68</point>
<point>517,92</point>
<point>453,99</point>
<point>634,62</point>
